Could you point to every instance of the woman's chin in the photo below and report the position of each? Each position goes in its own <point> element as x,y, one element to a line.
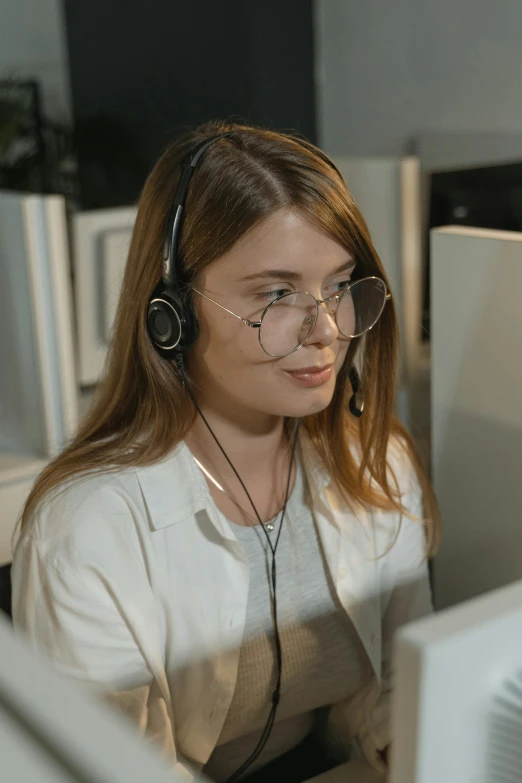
<point>309,401</point>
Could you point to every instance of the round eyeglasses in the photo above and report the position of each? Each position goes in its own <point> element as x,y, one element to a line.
<point>287,322</point>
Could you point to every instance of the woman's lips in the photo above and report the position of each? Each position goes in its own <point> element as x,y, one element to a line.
<point>312,377</point>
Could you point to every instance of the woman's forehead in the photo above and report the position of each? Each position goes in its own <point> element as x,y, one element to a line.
<point>286,241</point>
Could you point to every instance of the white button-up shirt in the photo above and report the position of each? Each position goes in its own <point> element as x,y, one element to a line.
<point>133,582</point>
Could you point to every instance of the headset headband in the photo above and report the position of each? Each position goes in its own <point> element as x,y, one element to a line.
<point>172,232</point>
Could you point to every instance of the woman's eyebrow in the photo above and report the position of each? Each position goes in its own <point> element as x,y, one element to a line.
<point>289,274</point>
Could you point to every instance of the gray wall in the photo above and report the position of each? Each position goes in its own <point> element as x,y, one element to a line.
<point>388,69</point>
<point>32,44</point>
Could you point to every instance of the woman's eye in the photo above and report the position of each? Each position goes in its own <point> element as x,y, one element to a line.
<point>271,295</point>
<point>274,294</point>
<point>342,284</point>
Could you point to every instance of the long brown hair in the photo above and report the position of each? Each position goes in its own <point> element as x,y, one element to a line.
<point>140,410</point>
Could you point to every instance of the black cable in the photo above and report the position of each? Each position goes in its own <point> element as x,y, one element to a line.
<point>276,695</point>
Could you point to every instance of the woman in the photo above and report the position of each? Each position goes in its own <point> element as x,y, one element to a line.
<point>153,560</point>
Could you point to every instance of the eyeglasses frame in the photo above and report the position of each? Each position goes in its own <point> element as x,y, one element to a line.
<point>337,297</point>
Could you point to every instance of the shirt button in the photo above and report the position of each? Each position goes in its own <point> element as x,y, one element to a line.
<point>374,639</point>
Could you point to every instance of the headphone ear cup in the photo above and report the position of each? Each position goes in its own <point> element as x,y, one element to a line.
<point>171,323</point>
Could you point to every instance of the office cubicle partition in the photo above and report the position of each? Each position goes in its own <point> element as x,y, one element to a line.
<point>476,278</point>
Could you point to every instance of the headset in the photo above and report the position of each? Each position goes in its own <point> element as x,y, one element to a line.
<point>171,322</point>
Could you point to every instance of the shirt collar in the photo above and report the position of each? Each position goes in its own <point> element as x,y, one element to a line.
<point>176,490</point>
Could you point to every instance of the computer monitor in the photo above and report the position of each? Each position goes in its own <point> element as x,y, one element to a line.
<point>457,708</point>
<point>54,730</point>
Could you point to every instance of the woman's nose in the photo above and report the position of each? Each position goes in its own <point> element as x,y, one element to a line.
<point>325,330</point>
